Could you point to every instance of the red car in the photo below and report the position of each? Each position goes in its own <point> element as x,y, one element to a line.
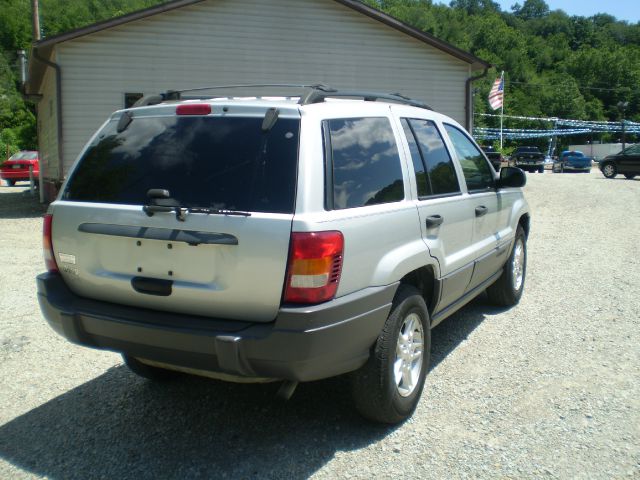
<point>16,168</point>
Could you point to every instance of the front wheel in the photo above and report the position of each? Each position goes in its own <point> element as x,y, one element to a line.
<point>629,176</point>
<point>507,290</point>
<point>388,387</point>
<point>609,170</point>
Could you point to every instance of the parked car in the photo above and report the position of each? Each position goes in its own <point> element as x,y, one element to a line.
<point>529,158</point>
<point>627,162</point>
<point>494,156</point>
<point>287,239</point>
<point>572,161</point>
<point>16,169</point>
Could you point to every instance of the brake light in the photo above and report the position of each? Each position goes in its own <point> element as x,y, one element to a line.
<point>315,264</point>
<point>193,109</point>
<point>47,244</point>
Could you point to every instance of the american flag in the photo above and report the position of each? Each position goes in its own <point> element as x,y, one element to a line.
<point>497,93</point>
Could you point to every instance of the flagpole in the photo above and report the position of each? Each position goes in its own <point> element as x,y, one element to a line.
<point>501,108</point>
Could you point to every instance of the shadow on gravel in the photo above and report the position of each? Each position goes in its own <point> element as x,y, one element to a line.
<point>446,336</point>
<point>635,179</point>
<point>120,426</point>
<point>19,203</point>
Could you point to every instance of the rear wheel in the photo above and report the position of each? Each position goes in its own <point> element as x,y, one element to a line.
<point>541,169</point>
<point>147,371</point>
<point>388,387</point>
<point>629,176</point>
<point>507,290</point>
<point>609,170</point>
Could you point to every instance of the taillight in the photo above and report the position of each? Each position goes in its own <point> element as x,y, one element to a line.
<point>47,244</point>
<point>193,109</point>
<point>315,263</point>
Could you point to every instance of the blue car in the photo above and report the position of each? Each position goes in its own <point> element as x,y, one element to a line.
<point>572,161</point>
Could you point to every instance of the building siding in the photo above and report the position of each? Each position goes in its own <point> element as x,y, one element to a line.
<point>250,41</point>
<point>47,110</point>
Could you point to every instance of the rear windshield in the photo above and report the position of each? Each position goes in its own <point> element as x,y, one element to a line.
<point>24,156</point>
<point>206,162</point>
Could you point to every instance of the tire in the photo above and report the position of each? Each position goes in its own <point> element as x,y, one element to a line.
<point>541,169</point>
<point>609,170</point>
<point>507,290</point>
<point>150,373</point>
<point>629,176</point>
<point>383,390</point>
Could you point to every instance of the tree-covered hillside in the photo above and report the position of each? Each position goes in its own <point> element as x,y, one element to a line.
<point>556,65</point>
<point>17,120</point>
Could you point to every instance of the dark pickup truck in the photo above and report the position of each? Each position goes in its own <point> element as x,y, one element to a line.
<point>530,159</point>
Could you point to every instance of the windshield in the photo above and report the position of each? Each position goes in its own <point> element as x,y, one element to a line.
<point>204,162</point>
<point>24,156</point>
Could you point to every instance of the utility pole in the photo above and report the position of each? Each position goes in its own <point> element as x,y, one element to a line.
<point>622,106</point>
<point>35,17</point>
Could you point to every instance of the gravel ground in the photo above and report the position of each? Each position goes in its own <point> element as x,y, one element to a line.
<point>549,389</point>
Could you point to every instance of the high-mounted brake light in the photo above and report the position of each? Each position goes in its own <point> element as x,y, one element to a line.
<point>193,109</point>
<point>47,244</point>
<point>315,264</point>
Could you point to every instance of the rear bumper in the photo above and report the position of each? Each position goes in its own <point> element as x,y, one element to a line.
<point>529,164</point>
<point>302,344</point>
<point>17,175</point>
<point>577,168</point>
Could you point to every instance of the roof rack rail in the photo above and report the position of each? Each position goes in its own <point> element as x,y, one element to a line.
<point>317,93</point>
<point>177,94</point>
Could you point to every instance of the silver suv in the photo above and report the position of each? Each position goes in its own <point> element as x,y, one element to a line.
<point>290,239</point>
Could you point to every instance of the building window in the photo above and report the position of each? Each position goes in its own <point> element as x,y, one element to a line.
<point>131,98</point>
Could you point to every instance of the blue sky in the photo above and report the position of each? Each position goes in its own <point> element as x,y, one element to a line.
<point>628,10</point>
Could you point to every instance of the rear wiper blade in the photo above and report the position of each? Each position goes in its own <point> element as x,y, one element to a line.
<point>219,211</point>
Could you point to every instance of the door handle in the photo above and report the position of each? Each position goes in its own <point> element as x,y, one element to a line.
<point>481,210</point>
<point>434,221</point>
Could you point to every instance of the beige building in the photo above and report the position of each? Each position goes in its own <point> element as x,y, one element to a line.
<point>78,78</point>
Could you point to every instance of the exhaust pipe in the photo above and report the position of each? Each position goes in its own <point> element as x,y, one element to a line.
<point>286,390</point>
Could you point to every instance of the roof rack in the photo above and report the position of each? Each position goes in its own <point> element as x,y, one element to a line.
<point>316,93</point>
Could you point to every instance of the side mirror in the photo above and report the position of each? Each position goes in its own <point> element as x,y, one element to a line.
<point>511,177</point>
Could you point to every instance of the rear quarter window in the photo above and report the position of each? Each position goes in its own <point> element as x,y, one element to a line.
<point>363,163</point>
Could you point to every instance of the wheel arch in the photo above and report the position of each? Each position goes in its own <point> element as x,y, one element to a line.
<point>524,222</point>
<point>425,280</point>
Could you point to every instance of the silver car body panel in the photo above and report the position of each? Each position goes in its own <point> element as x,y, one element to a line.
<point>207,279</point>
<point>382,243</point>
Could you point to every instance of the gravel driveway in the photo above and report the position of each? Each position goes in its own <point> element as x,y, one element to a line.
<point>550,388</point>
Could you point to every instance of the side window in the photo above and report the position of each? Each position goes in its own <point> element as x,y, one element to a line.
<point>634,150</point>
<point>424,188</point>
<point>441,175</point>
<point>363,163</point>
<point>477,172</point>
